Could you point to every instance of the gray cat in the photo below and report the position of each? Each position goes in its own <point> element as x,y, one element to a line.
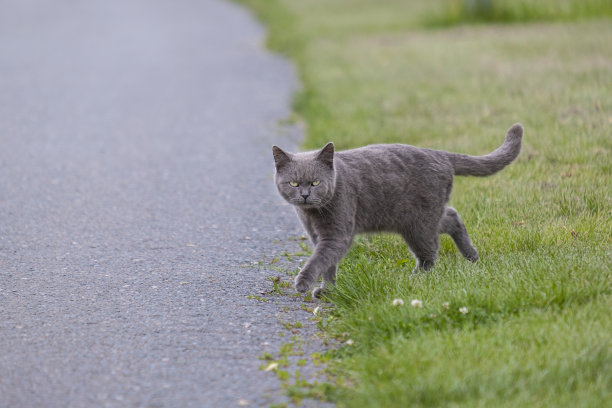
<point>393,188</point>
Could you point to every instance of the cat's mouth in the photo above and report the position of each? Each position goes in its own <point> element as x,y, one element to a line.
<point>306,203</point>
<point>308,206</point>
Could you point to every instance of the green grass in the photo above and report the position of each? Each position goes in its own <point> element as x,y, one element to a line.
<point>537,331</point>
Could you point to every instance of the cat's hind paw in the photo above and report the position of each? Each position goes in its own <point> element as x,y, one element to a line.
<point>470,253</point>
<point>318,292</point>
<point>472,257</point>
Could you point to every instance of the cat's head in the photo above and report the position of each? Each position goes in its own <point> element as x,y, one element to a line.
<point>306,180</point>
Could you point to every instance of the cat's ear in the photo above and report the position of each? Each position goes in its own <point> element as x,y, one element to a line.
<point>326,155</point>
<point>281,158</point>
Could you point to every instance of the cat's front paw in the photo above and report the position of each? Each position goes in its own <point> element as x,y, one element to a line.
<point>302,283</point>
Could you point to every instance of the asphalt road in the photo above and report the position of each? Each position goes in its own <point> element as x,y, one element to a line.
<point>135,188</point>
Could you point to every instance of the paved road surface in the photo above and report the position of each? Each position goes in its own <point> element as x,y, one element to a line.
<point>135,184</point>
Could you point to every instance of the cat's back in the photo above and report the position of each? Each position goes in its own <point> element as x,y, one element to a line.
<point>389,184</point>
<point>388,158</point>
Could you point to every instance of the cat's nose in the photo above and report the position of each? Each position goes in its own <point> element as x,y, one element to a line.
<point>305,196</point>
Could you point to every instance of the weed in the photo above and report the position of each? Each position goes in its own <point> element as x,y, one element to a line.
<point>258,298</point>
<point>266,356</point>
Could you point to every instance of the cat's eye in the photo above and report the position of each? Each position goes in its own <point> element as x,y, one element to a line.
<point>293,183</point>
<point>316,183</point>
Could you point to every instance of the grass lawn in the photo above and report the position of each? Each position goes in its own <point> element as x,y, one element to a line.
<point>538,327</point>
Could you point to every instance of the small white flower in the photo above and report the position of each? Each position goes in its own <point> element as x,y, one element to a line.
<point>463,310</point>
<point>445,305</point>
<point>350,342</point>
<point>316,310</point>
<point>416,303</point>
<point>397,302</point>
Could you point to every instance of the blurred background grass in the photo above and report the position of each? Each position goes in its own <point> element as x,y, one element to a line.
<point>462,11</point>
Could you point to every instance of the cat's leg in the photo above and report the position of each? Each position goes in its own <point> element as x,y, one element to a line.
<point>329,279</point>
<point>424,245</point>
<point>326,255</point>
<point>312,234</point>
<point>329,276</point>
<point>452,225</point>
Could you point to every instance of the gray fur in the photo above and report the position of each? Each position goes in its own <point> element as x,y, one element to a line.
<point>393,188</point>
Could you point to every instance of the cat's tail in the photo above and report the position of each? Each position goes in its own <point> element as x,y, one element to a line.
<point>493,162</point>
